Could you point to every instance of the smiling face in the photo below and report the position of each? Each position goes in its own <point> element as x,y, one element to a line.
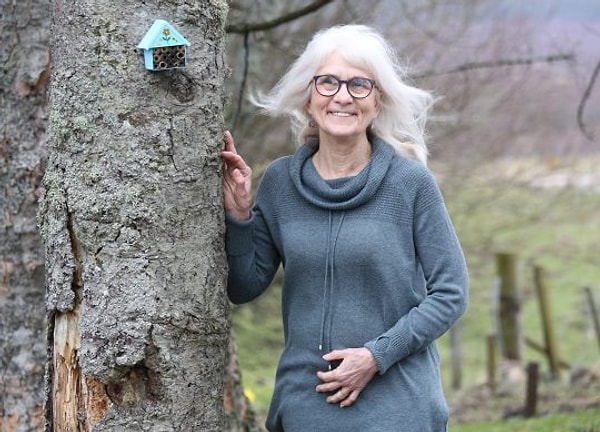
<point>342,117</point>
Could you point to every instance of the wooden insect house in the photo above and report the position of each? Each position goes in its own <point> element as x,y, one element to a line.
<point>163,47</point>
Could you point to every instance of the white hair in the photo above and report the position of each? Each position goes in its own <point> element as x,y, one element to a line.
<point>403,108</point>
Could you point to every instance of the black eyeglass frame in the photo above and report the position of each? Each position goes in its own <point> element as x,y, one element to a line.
<point>340,82</point>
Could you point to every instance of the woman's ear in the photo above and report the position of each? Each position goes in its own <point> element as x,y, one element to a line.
<point>378,101</point>
<point>307,108</point>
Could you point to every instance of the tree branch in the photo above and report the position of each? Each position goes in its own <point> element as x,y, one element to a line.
<point>268,25</point>
<point>494,64</point>
<point>238,111</point>
<point>582,103</point>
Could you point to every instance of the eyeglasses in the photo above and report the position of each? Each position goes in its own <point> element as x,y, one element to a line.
<point>329,85</point>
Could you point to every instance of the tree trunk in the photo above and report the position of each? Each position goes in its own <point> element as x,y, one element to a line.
<point>238,410</point>
<point>132,221</point>
<point>24,33</point>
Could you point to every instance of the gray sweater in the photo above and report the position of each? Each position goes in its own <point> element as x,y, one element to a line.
<point>370,260</point>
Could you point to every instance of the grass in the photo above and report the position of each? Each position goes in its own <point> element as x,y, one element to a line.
<point>580,421</point>
<point>258,333</point>
<point>555,228</point>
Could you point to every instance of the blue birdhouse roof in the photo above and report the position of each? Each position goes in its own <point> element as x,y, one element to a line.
<point>162,34</point>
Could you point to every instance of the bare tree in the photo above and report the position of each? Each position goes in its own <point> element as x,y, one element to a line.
<point>131,217</point>
<point>490,71</point>
<point>24,67</point>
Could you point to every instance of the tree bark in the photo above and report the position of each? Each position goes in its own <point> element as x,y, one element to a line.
<point>238,410</point>
<point>132,221</point>
<point>24,69</point>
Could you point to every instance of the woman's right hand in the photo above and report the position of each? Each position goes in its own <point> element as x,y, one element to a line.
<point>237,181</point>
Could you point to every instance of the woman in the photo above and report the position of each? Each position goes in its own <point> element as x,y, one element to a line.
<point>373,271</point>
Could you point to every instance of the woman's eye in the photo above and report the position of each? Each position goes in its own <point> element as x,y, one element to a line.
<point>360,83</point>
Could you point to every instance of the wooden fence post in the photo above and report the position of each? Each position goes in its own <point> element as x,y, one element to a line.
<point>456,356</point>
<point>509,307</point>
<point>594,313</point>
<point>491,362</point>
<point>532,386</point>
<point>549,336</point>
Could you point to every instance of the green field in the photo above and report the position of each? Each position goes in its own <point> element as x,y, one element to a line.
<point>581,421</point>
<point>557,228</point>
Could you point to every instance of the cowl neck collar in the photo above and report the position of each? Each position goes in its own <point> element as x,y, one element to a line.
<point>339,194</point>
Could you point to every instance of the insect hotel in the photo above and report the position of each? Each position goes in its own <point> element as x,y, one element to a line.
<point>163,47</point>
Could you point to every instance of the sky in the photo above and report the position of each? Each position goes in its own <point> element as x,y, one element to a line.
<point>571,24</point>
<point>576,10</point>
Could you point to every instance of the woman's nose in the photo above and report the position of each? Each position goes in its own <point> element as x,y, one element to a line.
<point>343,95</point>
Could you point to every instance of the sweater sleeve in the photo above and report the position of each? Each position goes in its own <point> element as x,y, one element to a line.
<point>441,258</point>
<point>252,257</point>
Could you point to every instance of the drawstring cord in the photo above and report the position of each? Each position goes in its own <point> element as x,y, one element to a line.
<point>329,277</point>
<point>324,303</point>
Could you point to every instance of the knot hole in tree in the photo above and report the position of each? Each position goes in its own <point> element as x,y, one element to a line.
<point>178,84</point>
<point>134,387</point>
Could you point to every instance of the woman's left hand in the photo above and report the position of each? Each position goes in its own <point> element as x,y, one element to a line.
<point>356,369</point>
